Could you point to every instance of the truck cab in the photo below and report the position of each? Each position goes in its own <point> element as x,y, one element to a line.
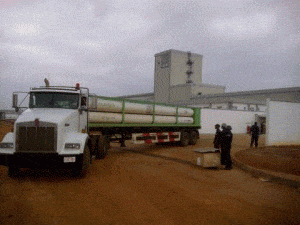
<point>51,133</point>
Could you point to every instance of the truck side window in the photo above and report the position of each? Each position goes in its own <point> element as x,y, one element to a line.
<point>83,101</point>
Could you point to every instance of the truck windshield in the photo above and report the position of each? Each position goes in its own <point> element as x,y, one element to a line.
<point>53,100</point>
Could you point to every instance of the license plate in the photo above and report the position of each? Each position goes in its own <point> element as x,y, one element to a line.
<point>69,159</point>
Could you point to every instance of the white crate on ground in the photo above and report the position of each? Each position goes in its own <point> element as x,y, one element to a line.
<point>209,157</point>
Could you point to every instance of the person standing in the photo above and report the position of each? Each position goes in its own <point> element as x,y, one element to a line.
<point>217,140</point>
<point>226,140</point>
<point>223,126</point>
<point>254,132</point>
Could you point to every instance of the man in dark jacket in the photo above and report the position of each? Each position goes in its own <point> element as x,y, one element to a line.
<point>254,132</point>
<point>226,137</point>
<point>217,140</point>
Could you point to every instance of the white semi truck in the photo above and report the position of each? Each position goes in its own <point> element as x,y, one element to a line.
<point>64,127</point>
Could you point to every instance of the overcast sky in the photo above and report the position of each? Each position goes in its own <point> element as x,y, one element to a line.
<point>109,46</point>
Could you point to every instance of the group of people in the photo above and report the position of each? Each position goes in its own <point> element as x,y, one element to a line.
<point>222,141</point>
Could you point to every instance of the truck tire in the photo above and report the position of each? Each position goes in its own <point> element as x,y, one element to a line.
<point>13,171</point>
<point>184,139</point>
<point>82,168</point>
<point>103,146</point>
<point>193,138</point>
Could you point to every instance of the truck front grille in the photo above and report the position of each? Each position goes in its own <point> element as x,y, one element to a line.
<point>36,139</point>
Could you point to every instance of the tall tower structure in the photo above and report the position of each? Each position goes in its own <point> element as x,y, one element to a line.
<point>178,77</point>
<point>172,68</point>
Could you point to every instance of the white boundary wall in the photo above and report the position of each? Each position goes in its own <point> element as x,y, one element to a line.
<point>283,123</point>
<point>238,120</point>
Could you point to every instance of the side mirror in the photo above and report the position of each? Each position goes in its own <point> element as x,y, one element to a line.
<point>15,101</point>
<point>83,104</point>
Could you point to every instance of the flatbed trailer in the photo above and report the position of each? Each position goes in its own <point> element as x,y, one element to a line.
<point>120,118</point>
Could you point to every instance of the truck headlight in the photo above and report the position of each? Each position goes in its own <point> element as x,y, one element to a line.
<point>6,145</point>
<point>72,145</point>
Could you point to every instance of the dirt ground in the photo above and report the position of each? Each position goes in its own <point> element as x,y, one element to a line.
<point>149,184</point>
<point>5,127</point>
<point>283,159</point>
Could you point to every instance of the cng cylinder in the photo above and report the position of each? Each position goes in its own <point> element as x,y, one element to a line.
<point>185,112</point>
<point>135,118</point>
<point>110,111</point>
<point>164,119</point>
<point>108,105</point>
<point>138,108</point>
<point>165,110</point>
<point>185,120</point>
<point>116,106</point>
<point>105,117</point>
<point>172,119</point>
<point>103,105</point>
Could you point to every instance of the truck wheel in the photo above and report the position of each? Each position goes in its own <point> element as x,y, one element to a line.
<point>103,146</point>
<point>184,139</point>
<point>13,171</point>
<point>193,138</point>
<point>82,168</point>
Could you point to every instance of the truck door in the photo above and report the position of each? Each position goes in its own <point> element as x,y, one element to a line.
<point>83,114</point>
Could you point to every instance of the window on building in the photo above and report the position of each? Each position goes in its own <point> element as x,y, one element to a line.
<point>164,61</point>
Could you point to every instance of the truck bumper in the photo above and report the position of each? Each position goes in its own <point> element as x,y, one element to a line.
<point>34,160</point>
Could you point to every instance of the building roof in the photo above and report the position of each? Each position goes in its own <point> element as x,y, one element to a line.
<point>177,52</point>
<point>145,95</point>
<point>8,111</point>
<point>258,97</point>
<point>199,85</point>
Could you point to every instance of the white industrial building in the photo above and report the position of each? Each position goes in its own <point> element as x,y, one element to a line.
<point>11,115</point>
<point>178,80</point>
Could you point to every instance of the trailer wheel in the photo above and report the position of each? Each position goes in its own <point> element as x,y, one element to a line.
<point>82,168</point>
<point>13,171</point>
<point>102,148</point>
<point>184,139</point>
<point>193,138</point>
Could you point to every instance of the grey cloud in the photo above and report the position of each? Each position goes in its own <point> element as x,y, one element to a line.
<point>110,46</point>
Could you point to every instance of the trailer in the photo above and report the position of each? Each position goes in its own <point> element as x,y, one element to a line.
<point>65,127</point>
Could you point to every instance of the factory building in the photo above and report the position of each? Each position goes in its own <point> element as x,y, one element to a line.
<point>178,77</point>
<point>178,80</point>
